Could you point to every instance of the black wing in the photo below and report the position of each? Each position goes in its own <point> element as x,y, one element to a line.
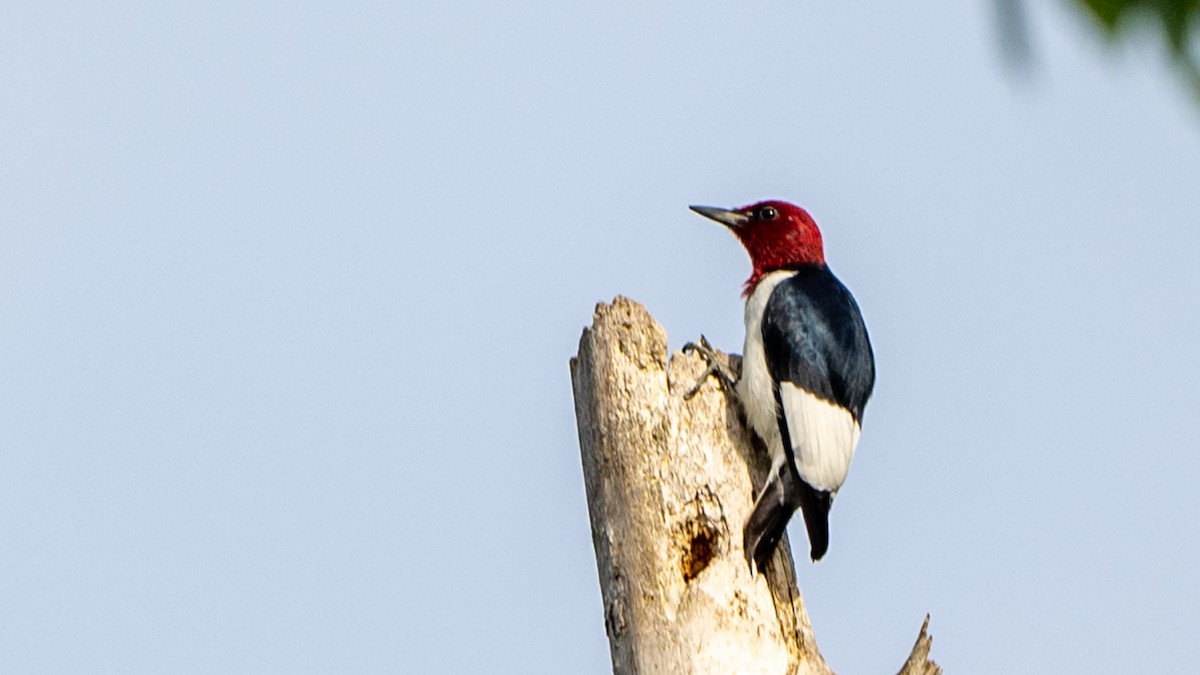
<point>815,338</point>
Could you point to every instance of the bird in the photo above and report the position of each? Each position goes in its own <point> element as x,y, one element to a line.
<point>807,371</point>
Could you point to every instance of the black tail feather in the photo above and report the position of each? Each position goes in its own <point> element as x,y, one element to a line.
<point>779,499</point>
<point>768,521</point>
<point>814,504</point>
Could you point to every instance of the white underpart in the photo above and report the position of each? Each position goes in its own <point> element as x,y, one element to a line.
<point>823,435</point>
<point>755,389</point>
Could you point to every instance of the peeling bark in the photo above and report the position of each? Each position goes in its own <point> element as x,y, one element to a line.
<point>670,483</point>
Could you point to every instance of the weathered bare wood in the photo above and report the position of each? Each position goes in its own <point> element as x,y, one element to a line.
<point>918,662</point>
<point>670,483</point>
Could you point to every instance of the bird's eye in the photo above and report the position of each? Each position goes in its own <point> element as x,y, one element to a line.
<point>767,213</point>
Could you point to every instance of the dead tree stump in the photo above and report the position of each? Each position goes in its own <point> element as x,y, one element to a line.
<point>670,483</point>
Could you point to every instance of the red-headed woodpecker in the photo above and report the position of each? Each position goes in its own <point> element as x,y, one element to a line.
<point>807,371</point>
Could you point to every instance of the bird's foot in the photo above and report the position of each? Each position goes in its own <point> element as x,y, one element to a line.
<point>716,367</point>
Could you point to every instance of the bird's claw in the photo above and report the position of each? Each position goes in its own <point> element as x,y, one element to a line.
<point>716,368</point>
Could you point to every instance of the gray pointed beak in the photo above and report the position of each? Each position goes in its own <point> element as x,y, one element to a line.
<point>731,219</point>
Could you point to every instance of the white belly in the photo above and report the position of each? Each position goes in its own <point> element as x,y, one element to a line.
<point>755,388</point>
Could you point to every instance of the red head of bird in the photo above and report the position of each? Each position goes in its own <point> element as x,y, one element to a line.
<point>777,235</point>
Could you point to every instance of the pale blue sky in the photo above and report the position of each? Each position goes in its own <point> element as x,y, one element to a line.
<point>287,294</point>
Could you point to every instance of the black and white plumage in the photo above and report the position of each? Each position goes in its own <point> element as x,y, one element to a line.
<point>807,372</point>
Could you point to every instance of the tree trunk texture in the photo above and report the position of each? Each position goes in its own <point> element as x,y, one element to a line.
<point>670,482</point>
